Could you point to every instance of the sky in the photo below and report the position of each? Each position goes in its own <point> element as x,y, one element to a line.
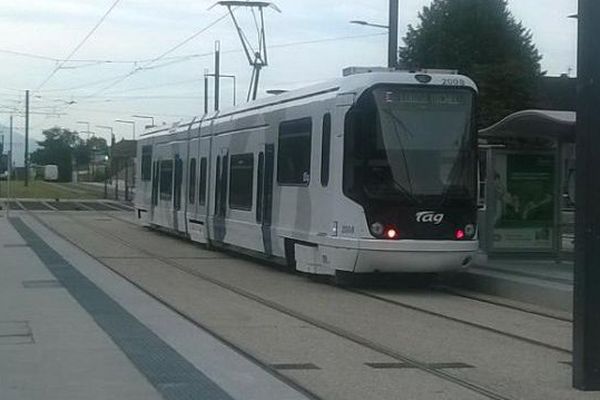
<point>113,75</point>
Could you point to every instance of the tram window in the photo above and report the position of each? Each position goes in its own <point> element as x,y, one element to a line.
<point>178,181</point>
<point>155,176</point>
<point>218,186</point>
<point>146,163</point>
<point>240,181</point>
<point>192,182</point>
<point>325,149</point>
<point>293,153</point>
<point>202,195</point>
<point>166,180</point>
<point>260,186</point>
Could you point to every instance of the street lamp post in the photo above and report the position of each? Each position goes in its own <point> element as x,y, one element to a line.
<point>106,176</point>
<point>87,124</point>
<point>145,117</point>
<point>116,170</point>
<point>365,23</point>
<point>232,77</point>
<point>132,123</point>
<point>392,28</point>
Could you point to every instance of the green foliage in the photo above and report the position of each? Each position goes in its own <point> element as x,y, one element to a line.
<point>481,39</point>
<point>62,146</point>
<point>93,145</point>
<point>57,148</point>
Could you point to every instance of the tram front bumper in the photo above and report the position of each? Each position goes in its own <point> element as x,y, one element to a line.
<point>414,256</point>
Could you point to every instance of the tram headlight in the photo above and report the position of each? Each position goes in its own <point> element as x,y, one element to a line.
<point>391,232</point>
<point>377,229</point>
<point>381,231</point>
<point>470,231</point>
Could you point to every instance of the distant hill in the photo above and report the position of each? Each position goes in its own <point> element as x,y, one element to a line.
<point>18,145</point>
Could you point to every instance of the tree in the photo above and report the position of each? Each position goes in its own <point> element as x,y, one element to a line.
<point>58,148</point>
<point>84,151</point>
<point>481,39</point>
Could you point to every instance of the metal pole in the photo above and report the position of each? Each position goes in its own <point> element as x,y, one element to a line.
<point>393,35</point>
<point>127,180</point>
<point>586,308</point>
<point>27,138</point>
<point>234,91</point>
<point>106,179</point>
<point>116,172</point>
<point>217,73</point>
<point>256,78</point>
<point>1,153</point>
<point>8,179</point>
<point>205,91</point>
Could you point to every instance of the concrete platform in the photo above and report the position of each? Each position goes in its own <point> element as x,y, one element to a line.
<point>542,283</point>
<point>71,329</point>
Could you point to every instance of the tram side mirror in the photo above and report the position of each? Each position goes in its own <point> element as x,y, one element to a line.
<point>357,130</point>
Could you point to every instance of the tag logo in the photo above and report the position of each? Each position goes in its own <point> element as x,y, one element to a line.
<point>430,217</point>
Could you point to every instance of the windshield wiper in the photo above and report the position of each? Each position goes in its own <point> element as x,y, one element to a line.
<point>398,121</point>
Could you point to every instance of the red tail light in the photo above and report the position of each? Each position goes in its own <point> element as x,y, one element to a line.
<point>459,234</point>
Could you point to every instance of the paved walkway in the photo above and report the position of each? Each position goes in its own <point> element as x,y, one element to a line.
<point>71,329</point>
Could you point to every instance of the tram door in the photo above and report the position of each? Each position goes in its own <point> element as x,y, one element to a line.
<point>154,196</point>
<point>264,201</point>
<point>220,211</point>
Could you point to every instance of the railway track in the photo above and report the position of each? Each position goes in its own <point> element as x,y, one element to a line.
<point>305,318</point>
<point>450,292</point>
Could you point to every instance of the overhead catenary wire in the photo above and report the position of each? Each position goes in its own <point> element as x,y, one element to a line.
<point>80,45</point>
<point>189,57</point>
<point>182,58</point>
<point>163,55</point>
<point>179,59</point>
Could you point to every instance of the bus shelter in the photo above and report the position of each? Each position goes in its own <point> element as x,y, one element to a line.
<point>527,181</point>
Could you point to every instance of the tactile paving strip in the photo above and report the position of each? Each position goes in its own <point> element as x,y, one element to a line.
<point>170,373</point>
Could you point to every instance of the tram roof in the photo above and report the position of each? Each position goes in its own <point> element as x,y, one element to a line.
<point>549,124</point>
<point>356,84</point>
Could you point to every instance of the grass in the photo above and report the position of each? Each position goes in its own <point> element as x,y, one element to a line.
<point>46,190</point>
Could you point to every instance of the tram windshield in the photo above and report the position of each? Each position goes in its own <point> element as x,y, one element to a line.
<point>411,144</point>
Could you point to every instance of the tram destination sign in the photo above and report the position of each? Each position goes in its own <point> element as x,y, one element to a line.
<point>428,97</point>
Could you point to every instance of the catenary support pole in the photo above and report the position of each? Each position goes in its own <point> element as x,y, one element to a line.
<point>127,180</point>
<point>116,176</point>
<point>27,138</point>
<point>586,311</point>
<point>205,91</point>
<point>393,35</point>
<point>10,162</point>
<point>217,73</point>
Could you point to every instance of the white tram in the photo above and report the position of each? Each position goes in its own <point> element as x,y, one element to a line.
<point>370,172</point>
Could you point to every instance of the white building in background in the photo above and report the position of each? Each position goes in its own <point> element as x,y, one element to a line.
<point>18,145</point>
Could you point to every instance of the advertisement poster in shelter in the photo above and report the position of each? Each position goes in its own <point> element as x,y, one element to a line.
<point>525,202</point>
